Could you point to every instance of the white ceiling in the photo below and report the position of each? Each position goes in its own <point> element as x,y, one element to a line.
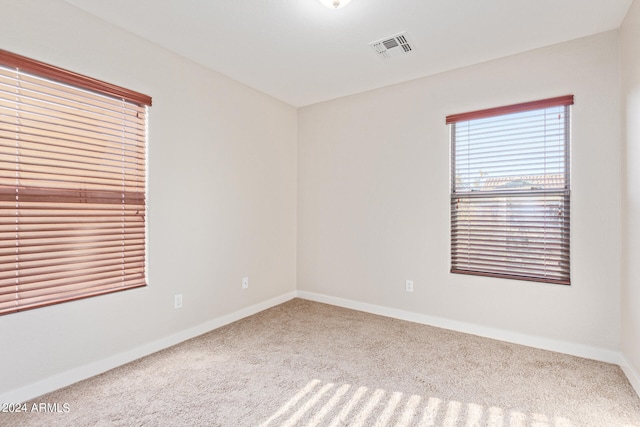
<point>302,53</point>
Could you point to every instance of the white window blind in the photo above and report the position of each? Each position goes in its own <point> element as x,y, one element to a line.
<point>510,191</point>
<point>72,186</point>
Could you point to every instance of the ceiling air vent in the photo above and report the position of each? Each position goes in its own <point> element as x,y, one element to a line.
<point>391,46</point>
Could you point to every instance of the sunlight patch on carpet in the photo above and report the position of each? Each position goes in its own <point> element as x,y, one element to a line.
<point>324,403</point>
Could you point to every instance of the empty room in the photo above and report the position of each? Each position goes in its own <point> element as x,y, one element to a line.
<point>320,213</point>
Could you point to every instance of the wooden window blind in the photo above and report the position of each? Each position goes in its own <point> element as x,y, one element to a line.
<point>72,185</point>
<point>510,191</point>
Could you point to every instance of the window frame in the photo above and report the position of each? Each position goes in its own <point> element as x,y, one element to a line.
<point>475,250</point>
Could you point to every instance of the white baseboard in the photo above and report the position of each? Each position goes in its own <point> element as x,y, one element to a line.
<point>74,375</point>
<point>573,349</point>
<point>631,373</point>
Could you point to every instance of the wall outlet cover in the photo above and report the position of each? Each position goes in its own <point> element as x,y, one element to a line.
<point>409,285</point>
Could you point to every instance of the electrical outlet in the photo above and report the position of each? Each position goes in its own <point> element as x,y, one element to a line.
<point>177,301</point>
<point>245,282</point>
<point>409,285</point>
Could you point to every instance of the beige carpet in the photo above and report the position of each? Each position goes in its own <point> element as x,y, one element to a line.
<point>308,364</point>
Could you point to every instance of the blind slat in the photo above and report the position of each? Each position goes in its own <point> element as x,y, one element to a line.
<point>63,257</point>
<point>26,301</point>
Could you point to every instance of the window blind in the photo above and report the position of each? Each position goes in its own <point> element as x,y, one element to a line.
<point>510,191</point>
<point>72,186</point>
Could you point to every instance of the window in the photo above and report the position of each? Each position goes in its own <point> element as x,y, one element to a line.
<point>510,191</point>
<point>72,185</point>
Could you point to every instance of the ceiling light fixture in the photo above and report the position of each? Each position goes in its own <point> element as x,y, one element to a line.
<point>335,4</point>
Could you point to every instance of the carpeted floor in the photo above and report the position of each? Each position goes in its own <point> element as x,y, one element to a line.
<point>308,364</point>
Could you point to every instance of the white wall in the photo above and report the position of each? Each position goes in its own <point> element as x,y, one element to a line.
<point>630,46</point>
<point>373,197</point>
<point>222,202</point>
